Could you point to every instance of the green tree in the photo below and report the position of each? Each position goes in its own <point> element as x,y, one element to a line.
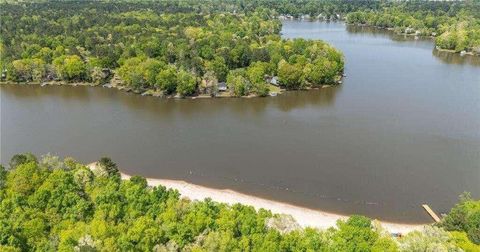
<point>219,67</point>
<point>61,197</point>
<point>45,54</point>
<point>290,76</point>
<point>322,71</point>
<point>355,234</point>
<point>131,73</point>
<point>70,67</point>
<point>140,72</point>
<point>428,239</point>
<point>462,241</point>
<point>19,159</point>
<point>186,83</point>
<point>25,178</point>
<point>167,80</point>
<point>108,167</point>
<point>465,216</point>
<point>3,177</point>
<point>238,84</point>
<point>256,72</point>
<point>27,70</point>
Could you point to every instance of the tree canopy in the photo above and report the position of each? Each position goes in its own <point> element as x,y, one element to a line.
<point>49,204</point>
<point>456,26</point>
<point>165,46</point>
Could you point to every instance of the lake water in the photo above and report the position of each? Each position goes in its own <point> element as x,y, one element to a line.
<point>402,130</point>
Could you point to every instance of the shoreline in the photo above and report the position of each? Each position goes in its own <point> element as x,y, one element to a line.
<point>392,29</point>
<point>278,91</point>
<point>305,217</point>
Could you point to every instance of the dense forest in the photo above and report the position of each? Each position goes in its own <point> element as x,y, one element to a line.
<point>166,48</point>
<point>186,47</point>
<point>49,204</point>
<point>455,26</point>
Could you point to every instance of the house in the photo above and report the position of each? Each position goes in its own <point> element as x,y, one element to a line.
<point>4,74</point>
<point>274,81</point>
<point>222,86</point>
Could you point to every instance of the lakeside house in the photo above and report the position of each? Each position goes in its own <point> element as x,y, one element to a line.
<point>273,80</point>
<point>305,17</point>
<point>4,74</point>
<point>222,86</point>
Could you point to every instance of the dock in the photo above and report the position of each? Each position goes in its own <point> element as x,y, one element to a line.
<point>431,213</point>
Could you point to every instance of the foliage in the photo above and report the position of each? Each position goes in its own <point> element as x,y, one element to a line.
<point>56,204</point>
<point>462,241</point>
<point>70,67</point>
<point>27,70</point>
<point>155,45</point>
<point>186,83</point>
<point>166,80</point>
<point>238,84</point>
<point>19,159</point>
<point>140,72</point>
<point>108,167</point>
<point>429,239</point>
<point>3,176</point>
<point>455,26</point>
<point>291,75</point>
<point>465,216</point>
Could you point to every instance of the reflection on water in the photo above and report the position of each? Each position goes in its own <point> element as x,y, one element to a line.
<point>444,56</point>
<point>456,58</point>
<point>290,100</point>
<point>366,30</point>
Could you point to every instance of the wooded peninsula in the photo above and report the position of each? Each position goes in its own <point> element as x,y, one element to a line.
<point>209,48</point>
<point>180,53</point>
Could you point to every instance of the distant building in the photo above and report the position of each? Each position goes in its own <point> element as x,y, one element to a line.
<point>4,74</point>
<point>273,80</point>
<point>306,17</point>
<point>222,86</point>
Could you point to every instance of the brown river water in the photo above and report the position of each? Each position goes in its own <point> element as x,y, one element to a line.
<point>403,129</point>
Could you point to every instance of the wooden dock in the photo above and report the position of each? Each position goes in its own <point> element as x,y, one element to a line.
<point>431,213</point>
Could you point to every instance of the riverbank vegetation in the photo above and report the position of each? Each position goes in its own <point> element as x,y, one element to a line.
<point>455,26</point>
<point>210,48</point>
<point>142,48</point>
<point>49,204</point>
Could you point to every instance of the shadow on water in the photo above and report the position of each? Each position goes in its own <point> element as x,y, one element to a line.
<point>455,58</point>
<point>381,32</point>
<point>288,101</point>
<point>34,92</point>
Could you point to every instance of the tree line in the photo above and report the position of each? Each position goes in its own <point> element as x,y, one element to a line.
<point>166,47</point>
<point>186,47</point>
<point>50,204</point>
<point>455,26</point>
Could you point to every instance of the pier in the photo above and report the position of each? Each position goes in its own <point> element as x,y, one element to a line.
<point>431,213</point>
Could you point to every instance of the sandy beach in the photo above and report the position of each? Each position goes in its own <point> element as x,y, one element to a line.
<point>304,216</point>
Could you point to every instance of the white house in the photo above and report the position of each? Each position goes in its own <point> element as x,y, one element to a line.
<point>222,86</point>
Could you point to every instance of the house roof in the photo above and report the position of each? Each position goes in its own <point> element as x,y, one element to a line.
<point>274,80</point>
